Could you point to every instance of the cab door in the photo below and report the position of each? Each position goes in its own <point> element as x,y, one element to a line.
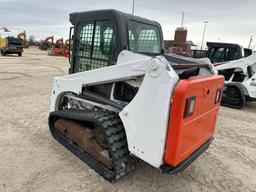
<point>94,45</point>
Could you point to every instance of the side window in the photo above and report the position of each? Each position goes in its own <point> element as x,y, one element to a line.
<point>147,41</point>
<point>217,54</point>
<point>144,38</point>
<point>131,41</point>
<point>94,44</point>
<point>231,54</point>
<point>107,40</point>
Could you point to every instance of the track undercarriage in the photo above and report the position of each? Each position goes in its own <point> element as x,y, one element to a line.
<point>96,136</point>
<point>233,97</point>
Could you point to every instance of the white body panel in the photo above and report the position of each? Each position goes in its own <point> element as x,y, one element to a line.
<point>146,136</point>
<point>242,64</point>
<point>74,82</point>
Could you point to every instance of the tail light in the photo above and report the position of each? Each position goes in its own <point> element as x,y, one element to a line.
<point>189,107</point>
<point>218,96</point>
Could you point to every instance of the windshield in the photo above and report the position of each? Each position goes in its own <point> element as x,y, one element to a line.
<point>144,38</point>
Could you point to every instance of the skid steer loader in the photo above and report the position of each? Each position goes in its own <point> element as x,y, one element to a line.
<point>240,81</point>
<point>124,99</point>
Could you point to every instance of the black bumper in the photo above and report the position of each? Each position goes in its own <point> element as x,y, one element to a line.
<point>10,51</point>
<point>184,164</point>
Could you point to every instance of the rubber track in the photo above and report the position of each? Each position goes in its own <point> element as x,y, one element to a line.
<point>232,102</point>
<point>114,132</point>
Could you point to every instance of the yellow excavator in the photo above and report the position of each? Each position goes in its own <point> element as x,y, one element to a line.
<point>2,40</point>
<point>23,37</point>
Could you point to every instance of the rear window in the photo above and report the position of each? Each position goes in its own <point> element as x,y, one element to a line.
<point>12,40</point>
<point>143,38</point>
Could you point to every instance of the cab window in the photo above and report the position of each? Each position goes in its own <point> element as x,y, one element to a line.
<point>220,54</point>
<point>144,38</point>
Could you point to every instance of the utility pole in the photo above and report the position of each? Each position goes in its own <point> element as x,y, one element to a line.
<point>250,42</point>
<point>133,5</point>
<point>182,19</point>
<point>205,23</point>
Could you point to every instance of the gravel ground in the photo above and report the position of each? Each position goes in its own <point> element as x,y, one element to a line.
<point>31,160</point>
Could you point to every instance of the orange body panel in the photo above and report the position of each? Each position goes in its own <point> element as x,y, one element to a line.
<point>186,135</point>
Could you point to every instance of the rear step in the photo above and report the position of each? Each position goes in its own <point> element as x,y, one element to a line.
<point>65,127</point>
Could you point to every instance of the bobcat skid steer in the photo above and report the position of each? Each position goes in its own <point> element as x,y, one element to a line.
<point>124,98</point>
<point>240,81</point>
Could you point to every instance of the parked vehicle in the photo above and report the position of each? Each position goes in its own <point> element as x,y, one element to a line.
<point>125,98</point>
<point>240,81</point>
<point>221,52</point>
<point>11,45</point>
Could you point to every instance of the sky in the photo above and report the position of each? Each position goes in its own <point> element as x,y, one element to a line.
<point>231,21</point>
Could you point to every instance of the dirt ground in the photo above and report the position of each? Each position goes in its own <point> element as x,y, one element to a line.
<point>31,160</point>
